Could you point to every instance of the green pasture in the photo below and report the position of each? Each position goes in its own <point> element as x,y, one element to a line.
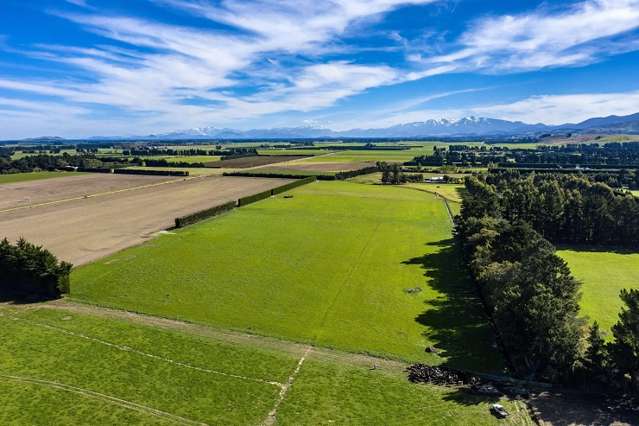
<point>61,367</point>
<point>603,275</point>
<point>25,177</point>
<point>363,268</point>
<point>53,347</point>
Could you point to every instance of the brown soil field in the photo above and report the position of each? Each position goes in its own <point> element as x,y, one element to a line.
<point>327,167</point>
<point>254,161</point>
<point>23,194</point>
<point>81,230</point>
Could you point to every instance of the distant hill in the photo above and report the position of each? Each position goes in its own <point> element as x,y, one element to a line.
<point>464,127</point>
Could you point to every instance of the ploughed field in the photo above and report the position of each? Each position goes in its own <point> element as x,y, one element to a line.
<point>362,268</point>
<point>77,365</point>
<point>84,218</point>
<point>254,161</point>
<point>603,274</point>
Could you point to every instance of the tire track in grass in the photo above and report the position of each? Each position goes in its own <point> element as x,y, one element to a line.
<point>146,354</point>
<point>102,397</point>
<point>271,418</point>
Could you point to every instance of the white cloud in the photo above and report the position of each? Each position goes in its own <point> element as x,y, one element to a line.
<point>559,109</point>
<point>547,109</point>
<point>579,35</point>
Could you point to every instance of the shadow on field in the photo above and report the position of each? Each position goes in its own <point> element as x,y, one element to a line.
<point>455,322</point>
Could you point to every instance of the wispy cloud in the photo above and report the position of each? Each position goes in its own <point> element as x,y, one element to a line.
<point>547,109</point>
<point>580,34</point>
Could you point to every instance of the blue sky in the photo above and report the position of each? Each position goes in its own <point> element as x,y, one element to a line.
<point>77,68</point>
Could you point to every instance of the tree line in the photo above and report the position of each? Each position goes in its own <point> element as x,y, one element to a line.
<point>565,209</point>
<point>30,270</point>
<point>528,290</point>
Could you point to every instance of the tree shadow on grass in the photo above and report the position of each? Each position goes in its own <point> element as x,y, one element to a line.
<point>456,322</point>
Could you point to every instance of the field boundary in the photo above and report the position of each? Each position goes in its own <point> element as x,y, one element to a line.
<point>103,397</point>
<point>272,415</point>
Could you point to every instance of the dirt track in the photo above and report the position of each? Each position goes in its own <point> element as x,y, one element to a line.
<point>85,229</point>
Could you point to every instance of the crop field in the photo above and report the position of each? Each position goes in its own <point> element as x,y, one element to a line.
<point>603,275</point>
<point>26,177</point>
<point>362,268</point>
<point>64,366</point>
<point>83,218</point>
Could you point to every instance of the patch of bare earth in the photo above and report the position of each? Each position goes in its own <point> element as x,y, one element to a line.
<point>80,230</point>
<point>554,409</point>
<point>254,161</point>
<point>23,194</point>
<point>325,167</point>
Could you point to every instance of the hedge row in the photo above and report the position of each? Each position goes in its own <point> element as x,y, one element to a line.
<point>319,176</point>
<point>253,198</point>
<point>295,184</point>
<point>95,170</point>
<point>151,172</point>
<point>183,221</point>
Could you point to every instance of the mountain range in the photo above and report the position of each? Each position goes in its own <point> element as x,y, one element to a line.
<point>443,128</point>
<point>465,127</point>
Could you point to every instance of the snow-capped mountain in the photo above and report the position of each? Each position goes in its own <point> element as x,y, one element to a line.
<point>468,126</point>
<point>464,127</point>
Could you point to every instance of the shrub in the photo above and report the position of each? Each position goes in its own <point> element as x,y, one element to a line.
<point>151,172</point>
<point>183,221</point>
<point>295,184</point>
<point>30,270</point>
<point>253,198</point>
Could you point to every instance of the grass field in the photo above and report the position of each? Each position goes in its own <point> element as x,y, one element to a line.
<point>603,275</point>
<point>26,177</point>
<point>363,268</point>
<point>63,367</point>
